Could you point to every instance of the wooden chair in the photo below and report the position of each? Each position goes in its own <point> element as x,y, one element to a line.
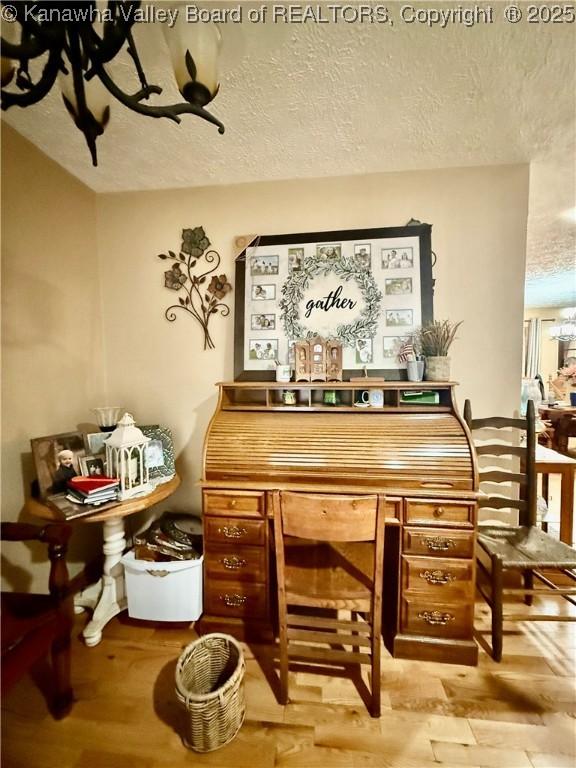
<point>521,548</point>
<point>34,625</point>
<point>329,555</point>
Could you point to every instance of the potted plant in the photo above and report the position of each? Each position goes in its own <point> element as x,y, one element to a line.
<point>435,340</point>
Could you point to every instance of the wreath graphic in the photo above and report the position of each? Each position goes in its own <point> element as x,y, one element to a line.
<point>298,281</point>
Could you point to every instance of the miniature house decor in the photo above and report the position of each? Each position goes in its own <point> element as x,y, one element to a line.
<point>126,458</point>
<point>318,360</point>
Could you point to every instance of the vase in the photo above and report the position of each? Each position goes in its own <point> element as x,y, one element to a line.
<point>437,369</point>
<point>415,370</point>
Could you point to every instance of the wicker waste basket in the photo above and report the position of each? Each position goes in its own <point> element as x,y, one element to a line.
<point>210,684</point>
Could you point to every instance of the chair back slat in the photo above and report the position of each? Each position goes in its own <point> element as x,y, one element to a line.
<point>497,449</point>
<point>498,422</point>
<point>498,502</point>
<point>502,476</point>
<point>326,517</point>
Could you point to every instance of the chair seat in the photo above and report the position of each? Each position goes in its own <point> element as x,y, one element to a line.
<point>23,615</point>
<point>525,546</point>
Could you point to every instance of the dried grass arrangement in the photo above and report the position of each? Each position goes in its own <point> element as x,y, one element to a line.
<point>435,339</point>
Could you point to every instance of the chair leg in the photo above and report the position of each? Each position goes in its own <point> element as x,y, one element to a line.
<point>528,578</point>
<point>63,697</point>
<point>283,665</point>
<point>497,609</point>
<point>375,677</point>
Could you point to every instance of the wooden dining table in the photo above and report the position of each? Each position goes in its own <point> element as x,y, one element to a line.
<point>549,462</point>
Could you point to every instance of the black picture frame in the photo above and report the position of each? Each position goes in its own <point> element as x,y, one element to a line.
<point>422,231</point>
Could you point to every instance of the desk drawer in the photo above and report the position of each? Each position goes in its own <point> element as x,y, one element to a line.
<point>234,598</point>
<point>234,503</point>
<point>428,512</point>
<point>448,579</point>
<point>420,616</point>
<point>240,563</point>
<point>230,530</point>
<point>438,542</point>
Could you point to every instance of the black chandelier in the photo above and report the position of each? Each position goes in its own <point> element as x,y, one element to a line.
<point>63,34</point>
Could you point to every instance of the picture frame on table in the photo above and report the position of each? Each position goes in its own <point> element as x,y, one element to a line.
<point>350,286</point>
<point>159,452</point>
<point>93,466</point>
<point>51,474</point>
<point>96,442</point>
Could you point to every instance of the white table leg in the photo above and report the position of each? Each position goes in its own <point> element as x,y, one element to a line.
<point>112,596</point>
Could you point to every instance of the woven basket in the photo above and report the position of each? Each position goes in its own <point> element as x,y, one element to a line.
<point>210,684</point>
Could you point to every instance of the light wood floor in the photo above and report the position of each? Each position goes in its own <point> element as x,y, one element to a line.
<point>517,714</point>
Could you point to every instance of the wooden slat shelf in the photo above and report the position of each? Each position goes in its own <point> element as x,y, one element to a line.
<point>266,396</point>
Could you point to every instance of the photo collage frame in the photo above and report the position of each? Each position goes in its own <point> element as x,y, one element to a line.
<point>368,289</point>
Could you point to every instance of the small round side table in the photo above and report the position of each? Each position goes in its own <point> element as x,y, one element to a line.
<point>107,597</point>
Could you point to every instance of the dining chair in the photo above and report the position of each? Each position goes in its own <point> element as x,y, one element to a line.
<point>330,558</point>
<point>506,450</point>
<point>36,625</point>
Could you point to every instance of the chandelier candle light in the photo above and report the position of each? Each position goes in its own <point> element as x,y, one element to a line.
<point>126,458</point>
<point>63,38</point>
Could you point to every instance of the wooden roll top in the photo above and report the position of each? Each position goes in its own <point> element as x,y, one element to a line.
<point>354,447</point>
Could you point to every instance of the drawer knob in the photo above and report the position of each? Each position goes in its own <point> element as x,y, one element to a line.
<point>436,618</point>
<point>233,563</point>
<point>437,577</point>
<point>233,531</point>
<point>439,543</point>
<point>234,601</point>
<point>438,511</point>
<point>232,503</point>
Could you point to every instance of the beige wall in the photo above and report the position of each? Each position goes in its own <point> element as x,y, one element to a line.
<point>52,356</point>
<point>159,370</point>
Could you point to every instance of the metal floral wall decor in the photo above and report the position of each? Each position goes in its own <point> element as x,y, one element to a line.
<point>189,276</point>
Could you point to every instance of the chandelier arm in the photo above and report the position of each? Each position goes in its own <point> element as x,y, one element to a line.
<point>31,49</point>
<point>37,91</point>
<point>170,111</point>
<point>133,51</point>
<point>115,33</point>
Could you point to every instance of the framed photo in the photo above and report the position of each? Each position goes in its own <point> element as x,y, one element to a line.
<point>57,459</point>
<point>263,322</point>
<point>392,344</point>
<point>329,251</point>
<point>364,353</point>
<point>263,349</point>
<point>398,286</point>
<point>96,442</point>
<point>263,265</point>
<point>348,286</point>
<point>93,466</point>
<point>159,452</point>
<point>295,258</point>
<point>263,293</point>
<point>399,317</point>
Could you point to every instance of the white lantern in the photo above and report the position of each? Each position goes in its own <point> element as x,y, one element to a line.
<point>126,458</point>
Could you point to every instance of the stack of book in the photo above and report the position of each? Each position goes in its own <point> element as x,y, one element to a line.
<point>92,490</point>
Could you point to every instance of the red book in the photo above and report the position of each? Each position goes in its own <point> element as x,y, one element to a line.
<point>88,485</point>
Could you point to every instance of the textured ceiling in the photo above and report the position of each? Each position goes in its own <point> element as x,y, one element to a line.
<point>328,99</point>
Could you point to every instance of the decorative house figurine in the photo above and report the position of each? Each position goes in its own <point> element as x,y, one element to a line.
<point>126,458</point>
<point>301,361</point>
<point>333,361</point>
<point>317,359</point>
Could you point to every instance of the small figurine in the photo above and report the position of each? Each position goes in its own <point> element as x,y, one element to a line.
<point>65,471</point>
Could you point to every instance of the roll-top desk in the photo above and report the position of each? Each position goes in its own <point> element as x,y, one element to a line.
<point>414,448</point>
